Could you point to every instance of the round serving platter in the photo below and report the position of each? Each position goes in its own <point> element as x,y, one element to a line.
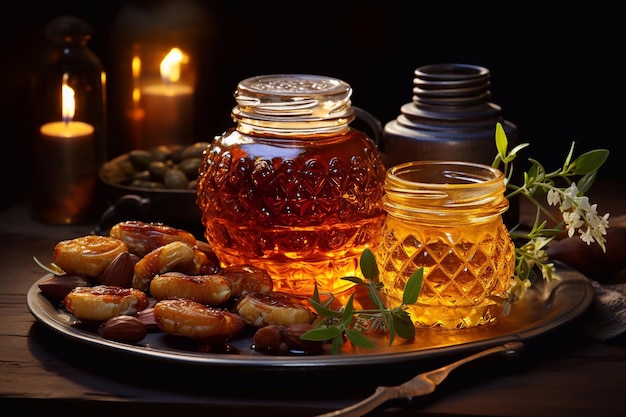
<point>545,307</point>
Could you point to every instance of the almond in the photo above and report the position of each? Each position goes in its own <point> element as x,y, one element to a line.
<point>126,329</point>
<point>58,286</point>
<point>119,272</point>
<point>292,335</point>
<point>147,318</point>
<point>269,339</point>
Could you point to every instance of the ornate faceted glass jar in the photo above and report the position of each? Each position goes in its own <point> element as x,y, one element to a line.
<point>447,218</point>
<point>293,188</point>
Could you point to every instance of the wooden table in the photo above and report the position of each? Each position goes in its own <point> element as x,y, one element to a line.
<point>562,372</point>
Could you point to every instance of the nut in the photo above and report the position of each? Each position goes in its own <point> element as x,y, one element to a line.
<point>58,286</point>
<point>119,272</point>
<point>126,329</point>
<point>292,335</point>
<point>147,318</point>
<point>269,339</point>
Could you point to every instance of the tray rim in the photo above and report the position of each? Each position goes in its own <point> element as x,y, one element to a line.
<point>44,312</point>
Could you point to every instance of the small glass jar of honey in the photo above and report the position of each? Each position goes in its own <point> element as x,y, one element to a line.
<point>447,218</point>
<point>293,188</point>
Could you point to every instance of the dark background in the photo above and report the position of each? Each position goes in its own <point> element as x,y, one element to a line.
<point>557,67</point>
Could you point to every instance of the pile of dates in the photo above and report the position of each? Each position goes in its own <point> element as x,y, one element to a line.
<point>150,277</point>
<point>166,167</point>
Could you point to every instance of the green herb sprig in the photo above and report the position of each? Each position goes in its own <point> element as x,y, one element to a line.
<point>349,323</point>
<point>539,186</point>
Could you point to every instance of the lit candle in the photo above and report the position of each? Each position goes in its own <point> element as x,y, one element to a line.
<point>67,167</point>
<point>168,105</point>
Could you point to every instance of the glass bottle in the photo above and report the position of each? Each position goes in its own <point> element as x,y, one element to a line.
<point>446,217</point>
<point>69,105</point>
<point>293,188</point>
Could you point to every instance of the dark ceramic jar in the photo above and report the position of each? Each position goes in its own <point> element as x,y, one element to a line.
<point>450,118</point>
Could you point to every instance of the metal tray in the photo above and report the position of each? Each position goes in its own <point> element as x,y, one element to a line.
<point>545,306</point>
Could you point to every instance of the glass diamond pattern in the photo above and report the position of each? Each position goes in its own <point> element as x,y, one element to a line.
<point>454,275</point>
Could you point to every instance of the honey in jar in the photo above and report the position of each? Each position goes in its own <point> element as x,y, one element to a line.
<point>293,188</point>
<point>446,217</point>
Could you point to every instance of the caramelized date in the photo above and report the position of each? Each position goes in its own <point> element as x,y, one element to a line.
<point>87,256</point>
<point>142,238</point>
<point>174,256</point>
<point>103,302</point>
<point>190,319</point>
<point>247,279</point>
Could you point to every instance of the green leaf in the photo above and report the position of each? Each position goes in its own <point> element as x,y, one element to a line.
<point>585,183</point>
<point>356,280</point>
<point>322,310</point>
<point>496,162</point>
<point>590,161</point>
<point>321,333</point>
<point>348,311</point>
<point>358,339</point>
<point>316,294</point>
<point>502,142</point>
<point>568,158</point>
<point>413,287</point>
<point>390,323</point>
<point>368,265</point>
<point>532,173</point>
<point>403,324</point>
<point>337,344</point>
<point>375,296</point>
<point>518,148</point>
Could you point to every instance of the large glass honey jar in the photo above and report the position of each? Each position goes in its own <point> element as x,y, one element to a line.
<point>447,218</point>
<point>293,188</point>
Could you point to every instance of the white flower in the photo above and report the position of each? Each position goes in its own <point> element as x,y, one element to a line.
<point>573,221</point>
<point>587,237</point>
<point>570,194</point>
<point>548,271</point>
<point>553,197</point>
<point>579,215</point>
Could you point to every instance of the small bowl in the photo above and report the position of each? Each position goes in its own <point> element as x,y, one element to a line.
<point>173,207</point>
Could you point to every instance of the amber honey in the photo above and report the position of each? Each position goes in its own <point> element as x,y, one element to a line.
<point>294,191</point>
<point>446,218</point>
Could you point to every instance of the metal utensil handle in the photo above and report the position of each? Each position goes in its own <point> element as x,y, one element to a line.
<point>380,396</point>
<point>439,374</point>
<point>383,393</point>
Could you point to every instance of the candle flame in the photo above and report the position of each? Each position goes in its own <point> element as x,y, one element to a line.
<point>171,65</point>
<point>68,103</point>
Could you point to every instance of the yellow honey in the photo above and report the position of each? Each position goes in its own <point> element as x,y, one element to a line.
<point>446,217</point>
